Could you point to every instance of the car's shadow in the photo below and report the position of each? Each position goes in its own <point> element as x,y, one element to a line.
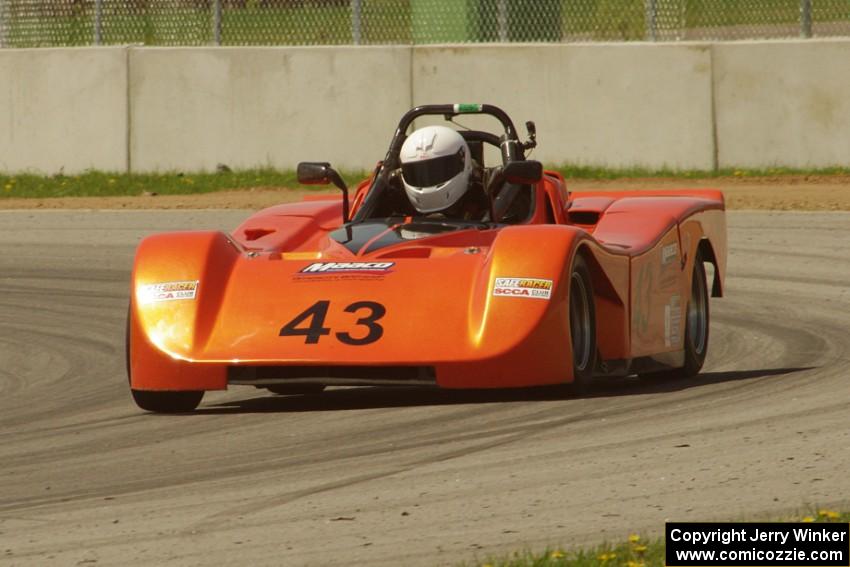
<point>398,397</point>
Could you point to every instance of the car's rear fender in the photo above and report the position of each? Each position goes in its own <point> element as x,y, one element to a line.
<point>705,233</point>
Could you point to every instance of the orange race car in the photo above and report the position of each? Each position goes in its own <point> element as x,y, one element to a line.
<point>439,270</point>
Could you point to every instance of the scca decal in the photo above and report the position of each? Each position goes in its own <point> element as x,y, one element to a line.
<point>166,291</point>
<point>338,267</point>
<point>505,291</point>
<point>532,288</point>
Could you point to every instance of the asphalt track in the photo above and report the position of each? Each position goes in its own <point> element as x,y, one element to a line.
<point>391,477</point>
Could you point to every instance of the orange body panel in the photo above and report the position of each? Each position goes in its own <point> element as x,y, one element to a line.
<point>236,293</point>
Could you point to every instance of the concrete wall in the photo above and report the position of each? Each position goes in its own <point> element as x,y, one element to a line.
<point>193,108</point>
<point>611,105</point>
<point>63,110</point>
<point>687,106</point>
<point>783,103</point>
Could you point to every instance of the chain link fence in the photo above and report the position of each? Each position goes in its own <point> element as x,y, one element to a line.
<point>54,23</point>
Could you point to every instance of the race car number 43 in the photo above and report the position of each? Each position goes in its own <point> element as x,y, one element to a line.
<point>310,323</point>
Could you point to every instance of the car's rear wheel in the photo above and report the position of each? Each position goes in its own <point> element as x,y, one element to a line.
<point>696,322</point>
<point>697,319</point>
<point>582,325</point>
<point>295,389</point>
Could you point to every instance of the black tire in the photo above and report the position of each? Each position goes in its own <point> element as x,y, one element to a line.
<point>159,402</point>
<point>295,389</point>
<point>127,346</point>
<point>696,322</point>
<point>582,325</point>
<point>697,319</point>
<point>167,402</point>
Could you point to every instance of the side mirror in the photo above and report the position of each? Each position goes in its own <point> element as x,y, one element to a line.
<point>321,173</point>
<point>507,182</point>
<point>523,172</point>
<point>314,173</point>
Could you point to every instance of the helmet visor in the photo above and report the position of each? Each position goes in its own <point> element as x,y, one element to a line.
<point>430,172</point>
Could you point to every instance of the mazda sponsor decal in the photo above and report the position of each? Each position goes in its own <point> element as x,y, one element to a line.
<point>347,267</point>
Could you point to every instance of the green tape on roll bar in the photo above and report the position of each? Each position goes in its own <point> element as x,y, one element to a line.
<point>466,107</point>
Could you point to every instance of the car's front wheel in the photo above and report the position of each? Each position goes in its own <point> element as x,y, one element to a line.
<point>155,401</point>
<point>582,325</point>
<point>167,402</point>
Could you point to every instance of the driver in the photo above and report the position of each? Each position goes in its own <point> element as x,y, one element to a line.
<point>439,175</point>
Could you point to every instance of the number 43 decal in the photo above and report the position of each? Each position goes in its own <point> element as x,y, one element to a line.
<point>311,323</point>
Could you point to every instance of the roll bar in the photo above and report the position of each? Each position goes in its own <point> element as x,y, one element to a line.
<point>511,147</point>
<point>448,111</point>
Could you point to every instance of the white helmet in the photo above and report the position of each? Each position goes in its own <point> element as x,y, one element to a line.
<point>435,168</point>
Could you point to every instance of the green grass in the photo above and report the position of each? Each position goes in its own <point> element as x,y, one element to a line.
<point>103,184</point>
<point>625,20</point>
<point>317,23</point>
<point>585,172</point>
<point>100,184</point>
<point>320,22</point>
<point>707,13</point>
<point>634,551</point>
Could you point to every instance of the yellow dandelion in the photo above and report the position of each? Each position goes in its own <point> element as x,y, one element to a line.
<point>112,181</point>
<point>8,187</point>
<point>634,564</point>
<point>639,548</point>
<point>738,173</point>
<point>634,538</point>
<point>828,514</point>
<point>808,519</point>
<point>557,554</point>
<point>602,557</point>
